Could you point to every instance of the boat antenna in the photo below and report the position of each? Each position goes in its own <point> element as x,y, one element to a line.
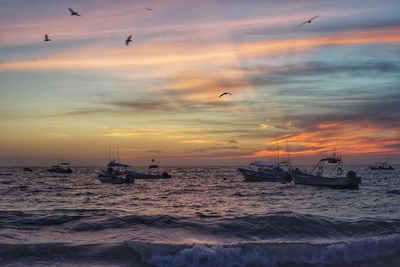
<point>334,149</point>
<point>277,149</point>
<point>287,148</point>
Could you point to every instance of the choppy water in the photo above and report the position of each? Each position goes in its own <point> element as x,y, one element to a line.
<point>200,217</point>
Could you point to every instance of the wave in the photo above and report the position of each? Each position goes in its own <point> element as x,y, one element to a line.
<point>279,225</point>
<point>363,252</point>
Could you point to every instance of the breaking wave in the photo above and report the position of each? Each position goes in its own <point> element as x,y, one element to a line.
<point>359,252</point>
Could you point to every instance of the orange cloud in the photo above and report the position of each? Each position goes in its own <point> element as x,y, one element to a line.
<point>350,138</point>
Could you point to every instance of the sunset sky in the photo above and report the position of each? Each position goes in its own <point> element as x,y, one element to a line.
<point>334,80</point>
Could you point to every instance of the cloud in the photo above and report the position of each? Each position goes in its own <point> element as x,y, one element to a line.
<point>74,113</point>
<point>154,55</point>
<point>56,135</point>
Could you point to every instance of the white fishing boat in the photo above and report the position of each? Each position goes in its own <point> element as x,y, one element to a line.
<point>260,171</point>
<point>152,173</point>
<point>381,166</point>
<point>62,167</point>
<point>265,172</point>
<point>115,173</point>
<point>333,179</point>
<point>142,175</point>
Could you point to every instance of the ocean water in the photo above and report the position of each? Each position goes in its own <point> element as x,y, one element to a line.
<point>203,216</point>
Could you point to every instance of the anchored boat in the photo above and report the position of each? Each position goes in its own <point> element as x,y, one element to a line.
<point>268,171</point>
<point>115,173</point>
<point>63,167</point>
<point>142,175</point>
<point>381,166</point>
<point>265,172</point>
<point>334,179</point>
<point>150,174</point>
<point>153,164</point>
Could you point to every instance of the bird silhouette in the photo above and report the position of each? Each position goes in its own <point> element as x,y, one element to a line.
<point>46,38</point>
<point>308,21</point>
<point>226,93</point>
<point>149,9</point>
<point>73,13</point>
<point>128,40</point>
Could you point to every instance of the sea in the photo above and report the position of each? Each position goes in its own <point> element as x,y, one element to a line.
<point>202,216</point>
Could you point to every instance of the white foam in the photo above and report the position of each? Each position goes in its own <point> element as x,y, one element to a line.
<point>270,254</point>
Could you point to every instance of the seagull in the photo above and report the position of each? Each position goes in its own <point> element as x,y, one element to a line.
<point>128,40</point>
<point>149,9</point>
<point>308,21</point>
<point>46,38</point>
<point>226,93</point>
<point>73,13</point>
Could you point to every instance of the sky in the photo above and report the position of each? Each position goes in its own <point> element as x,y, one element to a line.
<point>332,83</point>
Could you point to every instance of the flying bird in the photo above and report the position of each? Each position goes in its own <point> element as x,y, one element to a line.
<point>226,93</point>
<point>308,21</point>
<point>149,9</point>
<point>46,38</point>
<point>128,40</point>
<point>73,13</point>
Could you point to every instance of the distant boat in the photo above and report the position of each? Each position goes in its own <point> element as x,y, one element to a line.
<point>150,174</point>
<point>265,172</point>
<point>63,167</point>
<point>142,175</point>
<point>268,171</point>
<point>26,169</point>
<point>153,164</point>
<point>381,166</point>
<point>335,180</point>
<point>116,173</point>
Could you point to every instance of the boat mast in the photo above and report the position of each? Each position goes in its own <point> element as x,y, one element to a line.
<point>288,153</point>
<point>277,149</point>
<point>109,153</point>
<point>334,149</point>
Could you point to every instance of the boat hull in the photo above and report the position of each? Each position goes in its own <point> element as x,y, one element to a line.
<point>115,180</point>
<point>141,175</point>
<point>60,171</point>
<point>381,168</point>
<point>331,182</point>
<point>264,176</point>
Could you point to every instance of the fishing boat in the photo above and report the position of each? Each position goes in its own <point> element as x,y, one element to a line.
<point>26,169</point>
<point>381,166</point>
<point>259,171</point>
<point>62,167</point>
<point>153,164</point>
<point>265,172</point>
<point>333,179</point>
<point>142,175</point>
<point>151,174</point>
<point>115,173</point>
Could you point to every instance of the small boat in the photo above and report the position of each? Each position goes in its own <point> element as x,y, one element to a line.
<point>265,172</point>
<point>142,175</point>
<point>381,166</point>
<point>335,179</point>
<point>116,173</point>
<point>153,164</point>
<point>63,167</point>
<point>26,169</point>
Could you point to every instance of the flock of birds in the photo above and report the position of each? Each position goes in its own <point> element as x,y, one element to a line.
<point>76,13</point>
<point>129,39</point>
